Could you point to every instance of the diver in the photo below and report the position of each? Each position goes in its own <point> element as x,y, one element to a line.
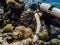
<point>49,11</point>
<point>50,14</point>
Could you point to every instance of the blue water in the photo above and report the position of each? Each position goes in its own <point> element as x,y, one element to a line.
<point>43,0</point>
<point>55,2</point>
<point>46,1</point>
<point>58,1</point>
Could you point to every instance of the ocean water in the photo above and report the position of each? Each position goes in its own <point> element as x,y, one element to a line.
<point>52,2</point>
<point>58,1</point>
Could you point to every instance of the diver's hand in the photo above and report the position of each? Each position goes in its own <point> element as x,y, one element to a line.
<point>35,38</point>
<point>40,13</point>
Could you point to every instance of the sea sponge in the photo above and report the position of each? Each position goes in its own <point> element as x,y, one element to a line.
<point>17,35</point>
<point>8,27</point>
<point>54,41</point>
<point>43,35</point>
<point>28,30</point>
<point>26,41</point>
<point>16,43</point>
<point>1,10</point>
<point>22,1</point>
<point>7,1</point>
<point>5,43</point>
<point>20,28</point>
<point>27,33</point>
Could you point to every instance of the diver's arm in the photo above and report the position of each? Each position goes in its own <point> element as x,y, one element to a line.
<point>38,27</point>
